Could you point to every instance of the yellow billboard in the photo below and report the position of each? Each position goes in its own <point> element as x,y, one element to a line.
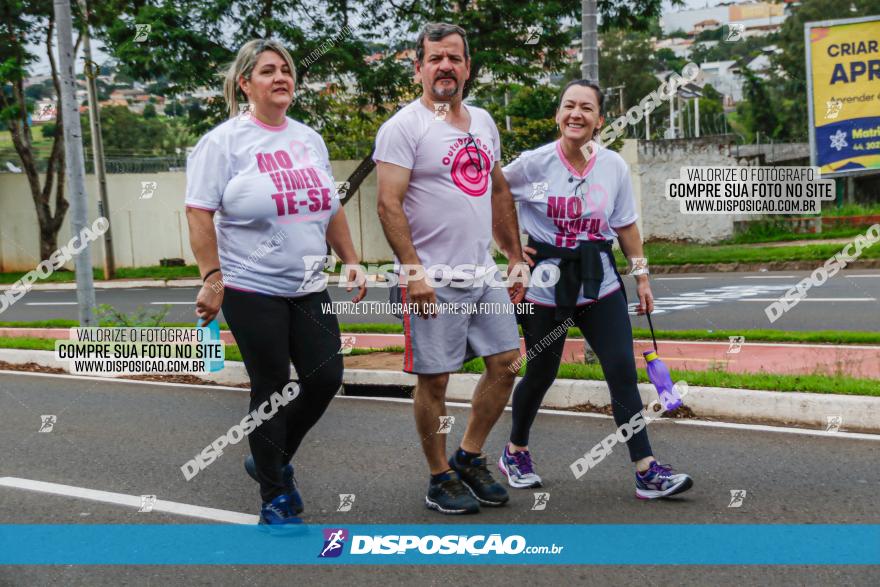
<point>843,85</point>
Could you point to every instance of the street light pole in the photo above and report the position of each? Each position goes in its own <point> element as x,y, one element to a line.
<point>97,143</point>
<point>75,169</point>
<point>589,41</point>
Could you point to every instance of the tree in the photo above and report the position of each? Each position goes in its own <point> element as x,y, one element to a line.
<point>127,134</point>
<point>711,112</point>
<point>531,109</point>
<point>35,92</point>
<point>668,60</point>
<point>627,58</point>
<point>25,23</point>
<point>758,111</point>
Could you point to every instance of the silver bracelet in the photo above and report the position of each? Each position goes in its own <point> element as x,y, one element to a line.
<point>639,266</point>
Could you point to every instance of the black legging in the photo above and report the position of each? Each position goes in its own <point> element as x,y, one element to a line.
<point>605,325</point>
<point>270,332</point>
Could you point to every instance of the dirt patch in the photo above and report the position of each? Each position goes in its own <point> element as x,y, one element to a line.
<point>381,361</point>
<point>30,368</point>
<point>682,412</point>
<point>187,379</point>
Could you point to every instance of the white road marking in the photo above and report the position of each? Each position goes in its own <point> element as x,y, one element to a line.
<point>786,430</point>
<point>704,423</point>
<point>812,300</point>
<point>675,278</point>
<point>161,505</point>
<point>875,275</point>
<point>50,303</point>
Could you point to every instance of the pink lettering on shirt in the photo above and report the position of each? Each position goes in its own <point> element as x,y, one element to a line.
<point>289,180</point>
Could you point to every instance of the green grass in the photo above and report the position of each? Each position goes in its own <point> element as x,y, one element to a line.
<point>35,344</point>
<point>232,352</point>
<point>760,335</point>
<point>841,385</point>
<point>155,272</point>
<point>681,253</point>
<point>387,349</point>
<point>54,323</point>
<point>851,210</point>
<point>757,235</point>
<point>751,335</point>
<point>60,323</point>
<point>372,328</point>
<point>687,253</point>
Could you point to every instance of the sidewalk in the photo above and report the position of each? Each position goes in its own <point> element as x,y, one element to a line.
<point>861,361</point>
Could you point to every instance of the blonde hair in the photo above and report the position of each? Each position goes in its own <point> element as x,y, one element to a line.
<point>244,65</point>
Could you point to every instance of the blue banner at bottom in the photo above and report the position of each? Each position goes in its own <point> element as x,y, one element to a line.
<point>440,544</point>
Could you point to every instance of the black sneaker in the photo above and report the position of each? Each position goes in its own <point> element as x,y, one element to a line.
<point>479,481</point>
<point>450,496</point>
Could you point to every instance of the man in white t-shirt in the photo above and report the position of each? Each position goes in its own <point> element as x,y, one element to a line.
<point>442,197</point>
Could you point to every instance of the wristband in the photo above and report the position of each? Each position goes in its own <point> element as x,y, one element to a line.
<point>209,274</point>
<point>639,266</point>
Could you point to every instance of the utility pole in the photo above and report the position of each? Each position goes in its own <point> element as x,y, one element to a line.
<point>589,41</point>
<point>609,90</point>
<point>73,152</point>
<point>97,144</point>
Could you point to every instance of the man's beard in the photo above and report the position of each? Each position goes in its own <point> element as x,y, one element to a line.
<point>444,91</point>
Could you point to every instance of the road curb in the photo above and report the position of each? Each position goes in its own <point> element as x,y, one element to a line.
<point>811,410</point>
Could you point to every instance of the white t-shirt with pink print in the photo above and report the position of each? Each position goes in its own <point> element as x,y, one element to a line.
<point>274,194</point>
<point>559,206</point>
<point>448,202</point>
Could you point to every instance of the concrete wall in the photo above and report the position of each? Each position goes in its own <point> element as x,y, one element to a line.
<point>146,230</point>
<point>651,163</point>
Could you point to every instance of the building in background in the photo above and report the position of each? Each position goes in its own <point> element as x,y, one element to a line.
<point>757,18</point>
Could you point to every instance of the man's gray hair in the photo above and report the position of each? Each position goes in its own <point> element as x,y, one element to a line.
<point>436,31</point>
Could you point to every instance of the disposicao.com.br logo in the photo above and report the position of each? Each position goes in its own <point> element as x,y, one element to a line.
<point>476,545</point>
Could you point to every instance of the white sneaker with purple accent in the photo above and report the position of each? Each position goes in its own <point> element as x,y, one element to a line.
<point>660,481</point>
<point>518,469</point>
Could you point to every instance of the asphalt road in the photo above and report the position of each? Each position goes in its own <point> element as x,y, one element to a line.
<point>132,438</point>
<point>848,301</point>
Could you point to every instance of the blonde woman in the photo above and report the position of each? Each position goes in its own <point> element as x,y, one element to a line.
<point>267,178</point>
